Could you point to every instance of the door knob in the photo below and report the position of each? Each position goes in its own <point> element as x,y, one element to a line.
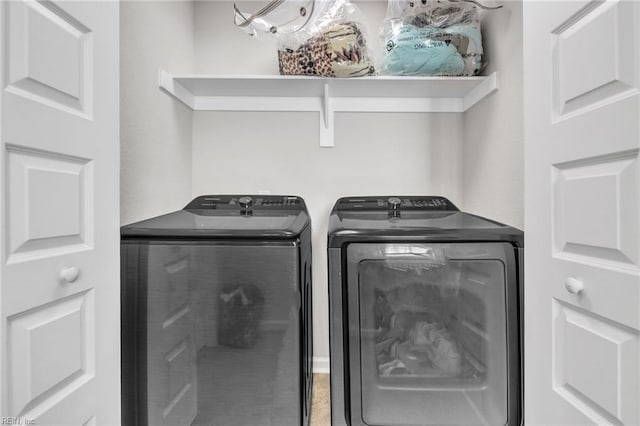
<point>69,275</point>
<point>573,285</point>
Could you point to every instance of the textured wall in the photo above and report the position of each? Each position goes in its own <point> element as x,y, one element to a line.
<point>155,174</point>
<point>492,160</point>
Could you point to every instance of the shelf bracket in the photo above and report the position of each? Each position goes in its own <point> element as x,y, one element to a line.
<point>326,120</point>
<point>169,85</point>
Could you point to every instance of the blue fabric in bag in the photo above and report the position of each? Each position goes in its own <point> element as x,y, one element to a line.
<point>412,50</point>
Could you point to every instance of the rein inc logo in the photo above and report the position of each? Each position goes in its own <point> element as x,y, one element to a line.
<point>16,421</point>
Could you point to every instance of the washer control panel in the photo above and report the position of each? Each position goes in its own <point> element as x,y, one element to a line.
<point>246,202</point>
<point>395,203</point>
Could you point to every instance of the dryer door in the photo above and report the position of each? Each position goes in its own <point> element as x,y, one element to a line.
<point>211,333</point>
<point>433,334</point>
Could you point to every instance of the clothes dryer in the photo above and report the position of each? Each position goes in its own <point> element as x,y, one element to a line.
<point>216,314</point>
<point>425,312</point>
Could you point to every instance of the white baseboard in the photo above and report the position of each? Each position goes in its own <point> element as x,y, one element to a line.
<point>321,365</point>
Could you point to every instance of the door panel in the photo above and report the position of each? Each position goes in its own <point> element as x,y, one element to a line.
<point>61,183</point>
<point>577,83</point>
<point>613,350</point>
<point>599,191</point>
<point>49,55</point>
<point>582,283</point>
<point>59,295</point>
<point>59,331</point>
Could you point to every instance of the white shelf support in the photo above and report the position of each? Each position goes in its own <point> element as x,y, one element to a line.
<point>475,95</point>
<point>326,96</point>
<point>326,120</point>
<point>170,86</point>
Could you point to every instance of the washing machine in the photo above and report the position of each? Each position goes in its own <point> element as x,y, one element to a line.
<point>425,314</point>
<point>216,314</point>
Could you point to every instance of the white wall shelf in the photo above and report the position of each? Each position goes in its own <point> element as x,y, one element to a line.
<point>208,92</point>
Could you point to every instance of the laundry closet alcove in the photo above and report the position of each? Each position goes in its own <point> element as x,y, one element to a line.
<point>204,111</point>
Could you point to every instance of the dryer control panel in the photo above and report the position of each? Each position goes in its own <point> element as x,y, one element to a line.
<point>246,202</point>
<point>395,203</point>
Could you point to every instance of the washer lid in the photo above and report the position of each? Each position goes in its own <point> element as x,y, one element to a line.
<point>411,218</point>
<point>227,216</point>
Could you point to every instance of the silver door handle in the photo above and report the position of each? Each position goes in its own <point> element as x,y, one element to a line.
<point>69,275</point>
<point>573,285</point>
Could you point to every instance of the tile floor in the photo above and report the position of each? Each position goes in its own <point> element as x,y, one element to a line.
<point>321,409</point>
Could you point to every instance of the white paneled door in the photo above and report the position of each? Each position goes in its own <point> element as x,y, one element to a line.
<point>582,212</point>
<point>59,287</point>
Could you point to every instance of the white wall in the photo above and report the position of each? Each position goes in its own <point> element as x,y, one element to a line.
<point>155,130</point>
<point>492,160</point>
<point>239,152</point>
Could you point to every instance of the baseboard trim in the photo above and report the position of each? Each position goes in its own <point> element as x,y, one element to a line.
<point>321,365</point>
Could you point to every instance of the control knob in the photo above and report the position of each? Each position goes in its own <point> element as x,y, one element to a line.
<point>394,206</point>
<point>245,202</point>
<point>394,203</point>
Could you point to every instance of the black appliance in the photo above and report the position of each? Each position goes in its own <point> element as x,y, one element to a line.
<point>216,314</point>
<point>425,314</point>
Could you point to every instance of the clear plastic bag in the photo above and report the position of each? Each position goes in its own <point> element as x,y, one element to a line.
<point>433,37</point>
<point>315,37</point>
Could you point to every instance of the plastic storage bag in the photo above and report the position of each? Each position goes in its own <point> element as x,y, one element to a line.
<point>315,37</point>
<point>432,37</point>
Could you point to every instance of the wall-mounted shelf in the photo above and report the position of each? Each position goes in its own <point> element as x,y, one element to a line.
<point>208,92</point>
